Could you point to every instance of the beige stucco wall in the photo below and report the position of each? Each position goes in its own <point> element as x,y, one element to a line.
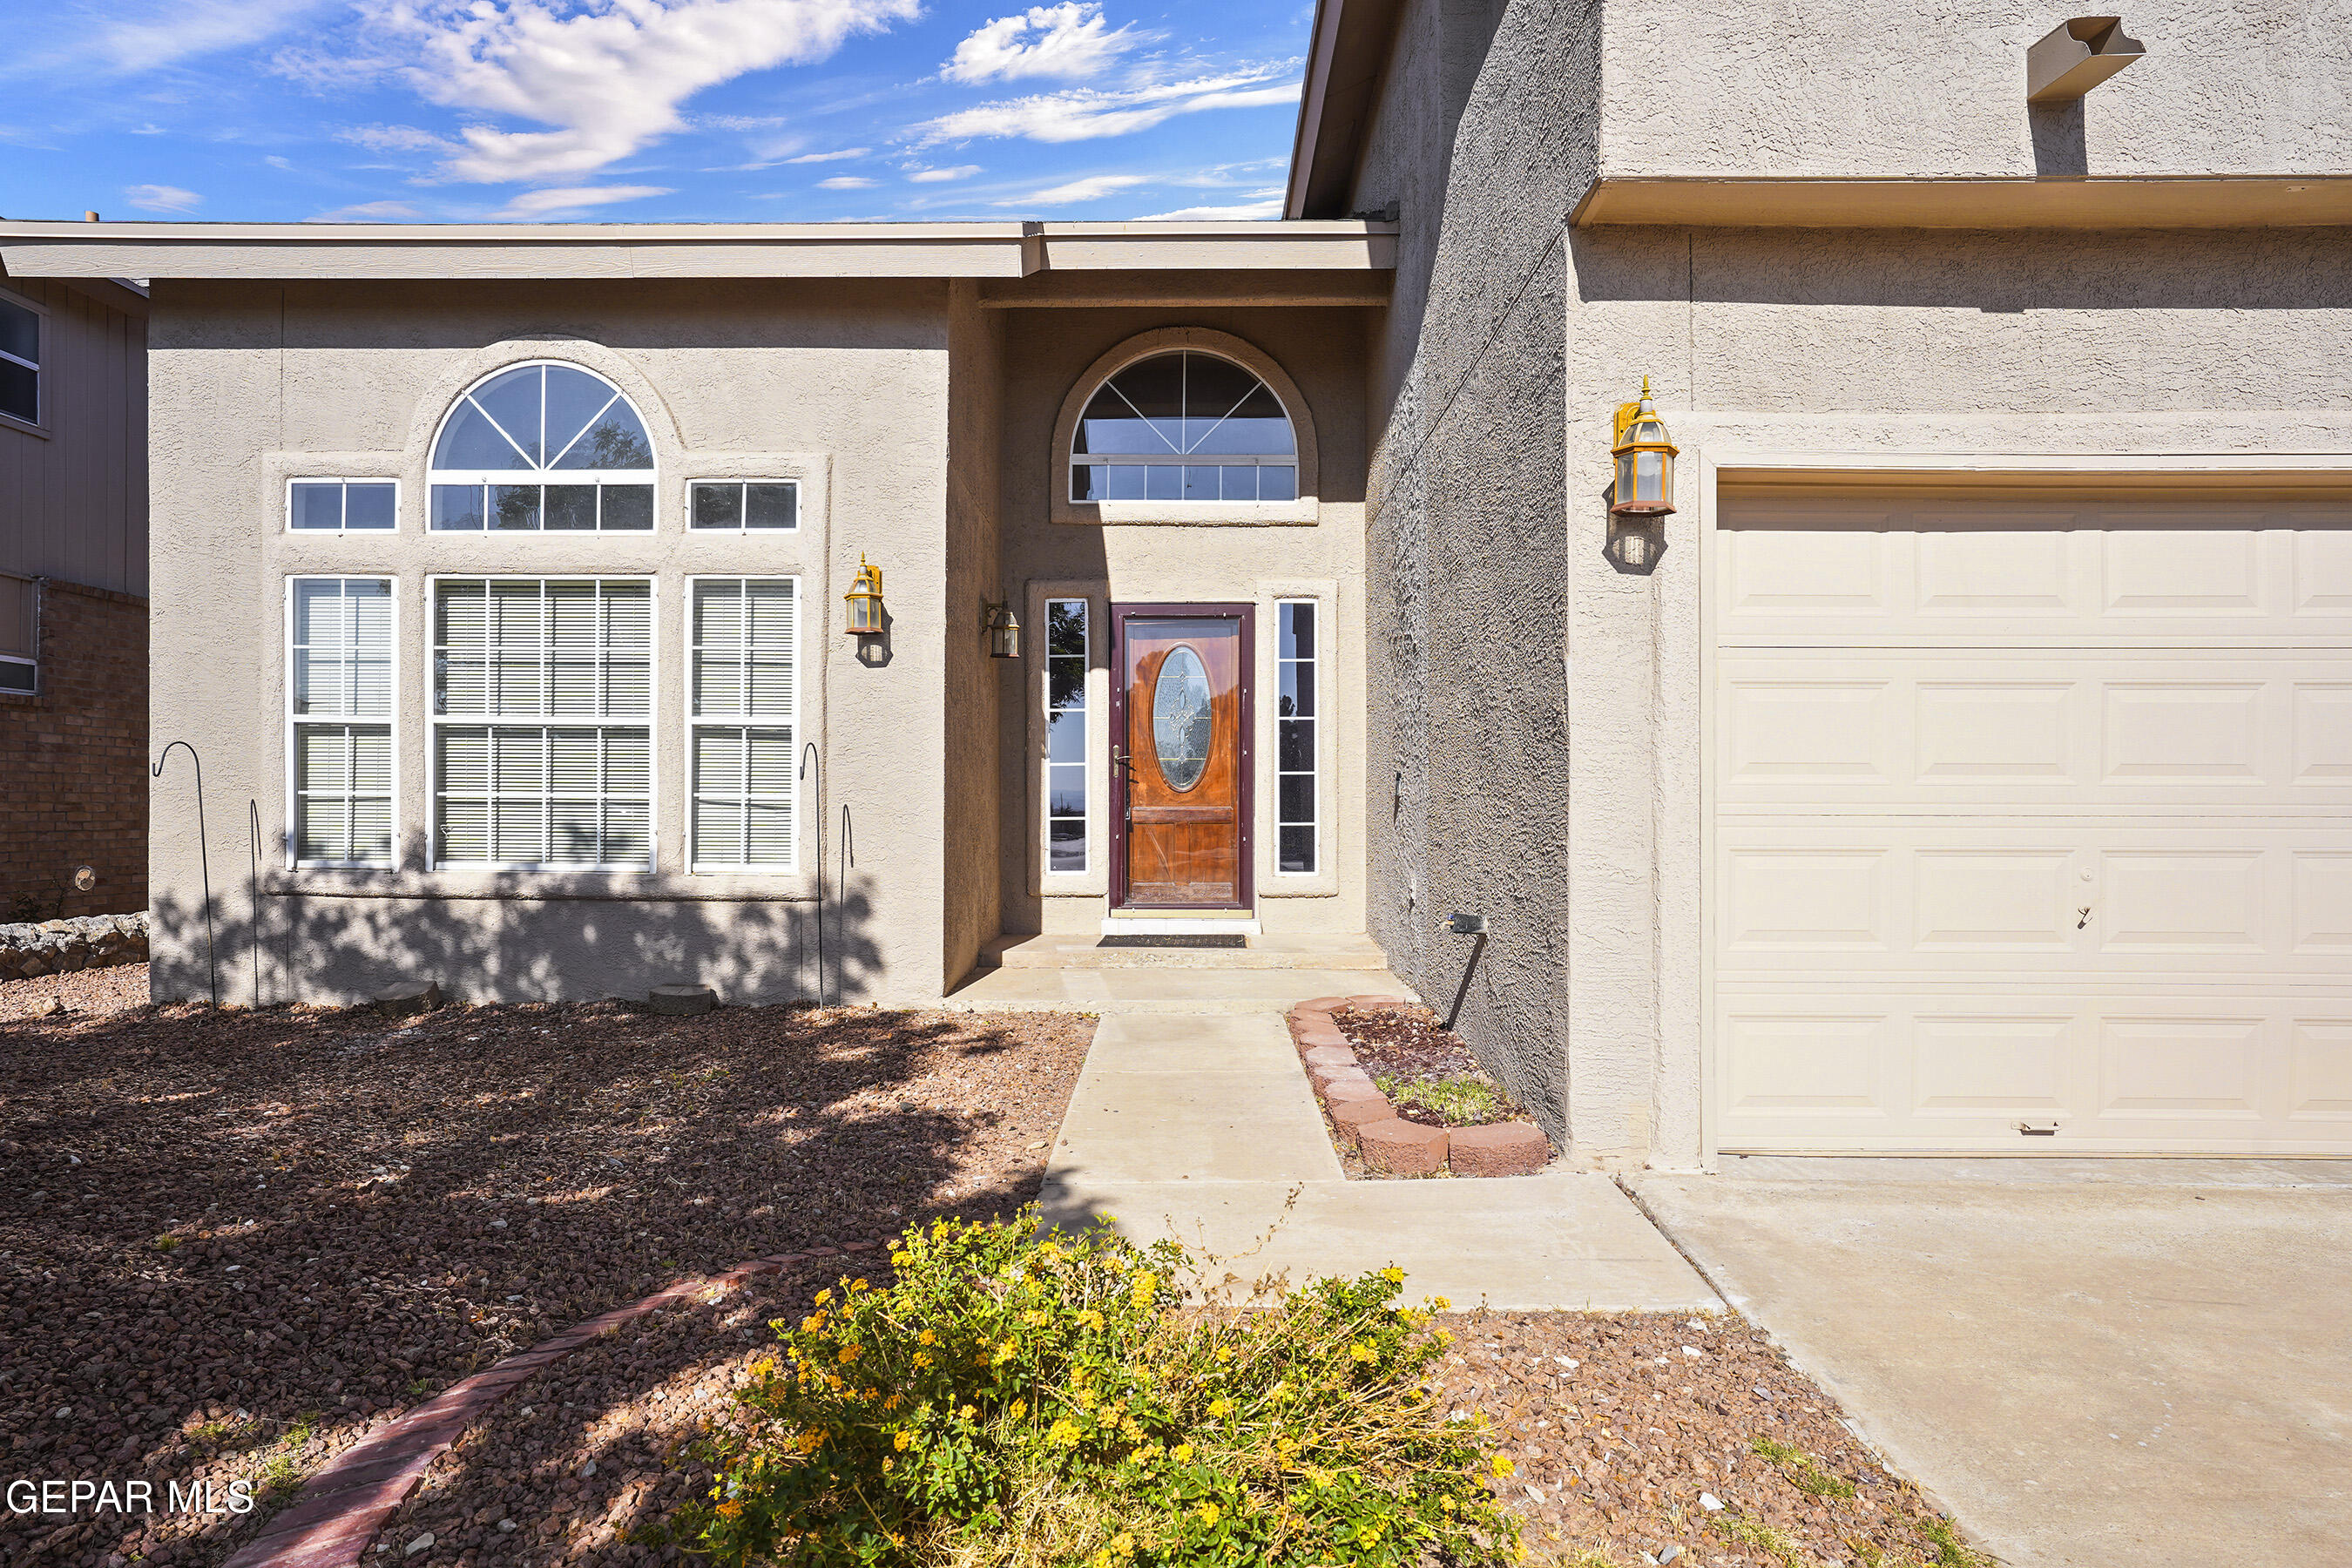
<point>2241,87</point>
<point>846,386</point>
<point>1046,355</point>
<point>1789,347</point>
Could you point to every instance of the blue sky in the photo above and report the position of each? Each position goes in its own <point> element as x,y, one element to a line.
<point>647,110</point>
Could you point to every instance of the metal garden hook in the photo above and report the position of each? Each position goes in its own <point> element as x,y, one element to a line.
<point>204,858</point>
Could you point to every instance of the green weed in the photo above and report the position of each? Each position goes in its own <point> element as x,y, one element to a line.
<point>1804,1472</point>
<point>1457,1101</point>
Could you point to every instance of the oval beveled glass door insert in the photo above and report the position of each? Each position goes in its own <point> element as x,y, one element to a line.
<point>1181,714</point>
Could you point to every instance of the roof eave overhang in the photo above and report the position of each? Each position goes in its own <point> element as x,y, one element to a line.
<point>609,251</point>
<point>1347,51</point>
<point>2066,202</point>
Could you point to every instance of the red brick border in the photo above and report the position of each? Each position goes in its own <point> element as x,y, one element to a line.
<point>1371,1127</point>
<point>339,1510</point>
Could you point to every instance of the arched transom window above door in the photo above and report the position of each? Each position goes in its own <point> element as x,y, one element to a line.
<point>542,448</point>
<point>1185,427</point>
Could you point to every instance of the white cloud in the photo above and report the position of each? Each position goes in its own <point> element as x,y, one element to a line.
<point>831,157</point>
<point>1247,212</point>
<point>532,206</point>
<point>165,31</point>
<point>163,199</point>
<point>609,80</point>
<point>936,176</point>
<point>394,139</point>
<point>1093,188</point>
<point>1071,39</point>
<point>1082,113</point>
<point>369,212</point>
<point>845,183</point>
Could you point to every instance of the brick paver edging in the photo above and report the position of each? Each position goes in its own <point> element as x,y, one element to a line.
<point>339,1510</point>
<point>1363,1119</point>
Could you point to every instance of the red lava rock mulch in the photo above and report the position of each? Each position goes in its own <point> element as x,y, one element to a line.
<point>1362,1053</point>
<point>241,1241</point>
<point>1620,1435</point>
<point>92,992</point>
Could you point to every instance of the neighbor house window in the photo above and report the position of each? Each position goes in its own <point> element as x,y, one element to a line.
<point>341,506</point>
<point>1185,427</point>
<point>20,634</point>
<point>543,448</point>
<point>745,702</point>
<point>543,714</point>
<point>1296,739</point>
<point>20,363</point>
<point>732,504</point>
<point>338,712</point>
<point>1066,735</point>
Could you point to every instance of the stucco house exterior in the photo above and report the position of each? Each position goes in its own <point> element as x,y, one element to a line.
<point>73,597</point>
<point>1963,764</point>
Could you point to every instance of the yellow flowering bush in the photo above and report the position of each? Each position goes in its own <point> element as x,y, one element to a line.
<point>1030,1399</point>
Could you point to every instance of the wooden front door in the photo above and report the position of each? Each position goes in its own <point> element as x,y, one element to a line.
<point>1181,757</point>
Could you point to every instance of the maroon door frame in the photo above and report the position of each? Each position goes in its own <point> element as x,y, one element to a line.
<point>1247,615</point>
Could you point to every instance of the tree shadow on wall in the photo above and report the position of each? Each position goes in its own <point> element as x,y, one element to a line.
<point>335,937</point>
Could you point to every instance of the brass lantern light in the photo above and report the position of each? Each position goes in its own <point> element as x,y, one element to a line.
<point>864,601</point>
<point>1002,629</point>
<point>1643,494</point>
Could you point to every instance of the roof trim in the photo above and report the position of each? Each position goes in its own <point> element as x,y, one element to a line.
<point>2098,201</point>
<point>1350,49</point>
<point>192,251</point>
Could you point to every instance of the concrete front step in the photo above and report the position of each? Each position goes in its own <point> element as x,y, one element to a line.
<point>1082,952</point>
<point>1198,991</point>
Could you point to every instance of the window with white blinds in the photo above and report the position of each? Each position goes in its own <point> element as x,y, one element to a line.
<point>744,698</point>
<point>542,722</point>
<point>338,702</point>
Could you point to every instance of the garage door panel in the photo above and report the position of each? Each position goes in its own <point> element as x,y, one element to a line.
<point>2031,813</point>
<point>2114,1068</point>
<point>2033,729</point>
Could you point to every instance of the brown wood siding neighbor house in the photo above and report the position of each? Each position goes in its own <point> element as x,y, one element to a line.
<point>73,596</point>
<point>1958,759</point>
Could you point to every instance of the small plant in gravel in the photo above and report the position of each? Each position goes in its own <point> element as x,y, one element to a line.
<point>1025,1398</point>
<point>1804,1472</point>
<point>1774,1544</point>
<point>1457,1101</point>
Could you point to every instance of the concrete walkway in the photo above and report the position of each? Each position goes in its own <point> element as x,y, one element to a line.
<point>2092,1363</point>
<point>1201,1126</point>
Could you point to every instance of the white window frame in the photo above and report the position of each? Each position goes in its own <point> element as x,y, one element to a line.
<point>599,478</point>
<point>1314,721</point>
<point>32,664</point>
<point>792,485</point>
<point>39,421</point>
<point>435,722</point>
<point>696,722</point>
<point>295,722</point>
<point>346,481</point>
<point>1076,459</point>
<point>1047,764</point>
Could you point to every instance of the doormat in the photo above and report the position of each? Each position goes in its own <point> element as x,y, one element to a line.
<point>1174,941</point>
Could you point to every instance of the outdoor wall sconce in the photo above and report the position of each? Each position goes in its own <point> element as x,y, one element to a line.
<point>2076,57</point>
<point>1002,629</point>
<point>864,601</point>
<point>1644,493</point>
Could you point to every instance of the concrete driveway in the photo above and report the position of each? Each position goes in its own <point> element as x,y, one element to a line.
<point>2091,1362</point>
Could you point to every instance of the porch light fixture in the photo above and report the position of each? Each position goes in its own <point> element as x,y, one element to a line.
<point>864,601</point>
<point>1002,629</point>
<point>1643,494</point>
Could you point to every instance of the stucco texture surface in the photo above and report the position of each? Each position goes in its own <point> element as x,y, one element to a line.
<point>1482,151</point>
<point>845,387</point>
<point>1938,89</point>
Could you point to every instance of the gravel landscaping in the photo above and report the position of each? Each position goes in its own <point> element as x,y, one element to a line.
<point>240,1241</point>
<point>1619,1433</point>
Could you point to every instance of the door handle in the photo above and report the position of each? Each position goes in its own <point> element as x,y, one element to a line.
<point>2084,914</point>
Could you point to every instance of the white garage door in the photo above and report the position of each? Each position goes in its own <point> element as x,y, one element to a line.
<point>2031,813</point>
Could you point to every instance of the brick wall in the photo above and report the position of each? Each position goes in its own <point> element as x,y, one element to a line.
<point>73,759</point>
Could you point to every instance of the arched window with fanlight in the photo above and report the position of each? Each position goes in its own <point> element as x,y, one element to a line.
<point>1184,426</point>
<point>542,448</point>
